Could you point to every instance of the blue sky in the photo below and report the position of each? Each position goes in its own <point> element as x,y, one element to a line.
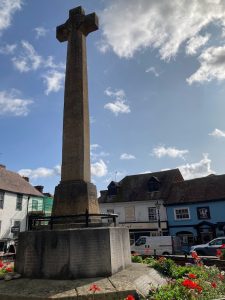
<point>156,87</point>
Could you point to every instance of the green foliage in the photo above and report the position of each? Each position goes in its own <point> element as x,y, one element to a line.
<point>205,283</point>
<point>136,259</point>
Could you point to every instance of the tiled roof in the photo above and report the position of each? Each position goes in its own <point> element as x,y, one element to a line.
<point>208,188</point>
<point>135,187</point>
<point>13,182</point>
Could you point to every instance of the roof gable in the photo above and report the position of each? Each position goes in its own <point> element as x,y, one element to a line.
<point>209,188</point>
<point>13,182</point>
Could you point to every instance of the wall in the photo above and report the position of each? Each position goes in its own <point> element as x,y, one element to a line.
<point>9,214</point>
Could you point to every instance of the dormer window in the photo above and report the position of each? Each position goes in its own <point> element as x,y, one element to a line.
<point>153,184</point>
<point>112,188</point>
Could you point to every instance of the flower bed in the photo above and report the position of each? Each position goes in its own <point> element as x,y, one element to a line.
<point>193,281</point>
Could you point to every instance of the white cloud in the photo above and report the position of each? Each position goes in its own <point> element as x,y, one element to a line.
<point>212,65</point>
<point>120,103</point>
<point>53,80</point>
<point>199,169</point>
<point>99,169</point>
<point>40,32</point>
<point>11,104</point>
<point>195,43</point>
<point>131,26</point>
<point>153,71</point>
<point>96,155</point>
<point>161,151</point>
<point>28,60</point>
<point>7,9</point>
<point>217,133</point>
<point>8,49</point>
<point>127,156</point>
<point>37,173</point>
<point>94,146</point>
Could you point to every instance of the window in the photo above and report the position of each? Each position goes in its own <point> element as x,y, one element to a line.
<point>153,184</point>
<point>140,241</point>
<point>203,212</point>
<point>152,214</point>
<point>182,213</point>
<point>129,214</point>
<point>34,205</point>
<point>16,233</point>
<point>19,202</point>
<point>217,242</point>
<point>2,200</point>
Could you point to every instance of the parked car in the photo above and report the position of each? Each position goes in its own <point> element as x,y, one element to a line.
<point>150,245</point>
<point>210,248</point>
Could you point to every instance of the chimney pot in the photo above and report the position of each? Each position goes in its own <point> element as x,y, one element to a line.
<point>26,178</point>
<point>40,188</point>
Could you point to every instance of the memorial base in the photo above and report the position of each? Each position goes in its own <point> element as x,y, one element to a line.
<point>73,253</point>
<point>74,197</point>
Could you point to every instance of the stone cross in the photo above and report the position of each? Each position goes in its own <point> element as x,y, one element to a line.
<point>76,136</point>
<point>75,193</point>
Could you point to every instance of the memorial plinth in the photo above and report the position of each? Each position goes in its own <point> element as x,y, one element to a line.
<point>74,253</point>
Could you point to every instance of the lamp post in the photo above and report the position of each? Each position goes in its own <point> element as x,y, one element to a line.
<point>157,205</point>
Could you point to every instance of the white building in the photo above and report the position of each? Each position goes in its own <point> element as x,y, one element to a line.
<point>139,201</point>
<point>15,194</point>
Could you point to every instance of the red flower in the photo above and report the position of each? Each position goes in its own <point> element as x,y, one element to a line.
<point>223,246</point>
<point>199,288</point>
<point>130,297</point>
<point>189,284</point>
<point>9,269</point>
<point>218,252</point>
<point>195,255</point>
<point>192,285</point>
<point>192,276</point>
<point>214,285</point>
<point>94,288</point>
<point>221,276</point>
<point>1,264</point>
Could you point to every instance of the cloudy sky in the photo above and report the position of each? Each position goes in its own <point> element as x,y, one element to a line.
<point>156,87</point>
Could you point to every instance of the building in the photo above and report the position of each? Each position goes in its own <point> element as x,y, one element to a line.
<point>15,194</point>
<point>139,201</point>
<point>41,206</point>
<point>196,209</point>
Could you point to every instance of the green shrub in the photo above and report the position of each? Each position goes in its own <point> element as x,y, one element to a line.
<point>136,259</point>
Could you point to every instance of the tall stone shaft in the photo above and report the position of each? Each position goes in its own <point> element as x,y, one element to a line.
<point>76,136</point>
<point>76,193</point>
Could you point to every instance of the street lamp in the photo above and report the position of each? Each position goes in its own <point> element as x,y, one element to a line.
<point>157,205</point>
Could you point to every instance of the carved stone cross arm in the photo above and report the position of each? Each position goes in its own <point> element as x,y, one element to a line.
<point>77,21</point>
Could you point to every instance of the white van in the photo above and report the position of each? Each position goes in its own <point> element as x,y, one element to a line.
<point>150,245</point>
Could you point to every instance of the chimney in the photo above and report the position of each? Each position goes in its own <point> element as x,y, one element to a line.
<point>26,178</point>
<point>40,188</point>
<point>2,166</point>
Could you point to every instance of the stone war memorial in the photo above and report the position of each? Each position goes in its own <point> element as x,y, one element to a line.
<point>61,256</point>
<point>67,252</point>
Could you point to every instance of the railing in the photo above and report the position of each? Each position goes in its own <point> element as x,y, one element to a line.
<point>35,222</point>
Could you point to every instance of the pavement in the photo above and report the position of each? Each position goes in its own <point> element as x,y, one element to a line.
<point>138,278</point>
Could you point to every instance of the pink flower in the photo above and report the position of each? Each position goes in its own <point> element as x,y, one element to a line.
<point>94,288</point>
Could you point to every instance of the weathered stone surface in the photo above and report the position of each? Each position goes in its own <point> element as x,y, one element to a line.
<point>115,287</point>
<point>73,253</point>
<point>72,196</point>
